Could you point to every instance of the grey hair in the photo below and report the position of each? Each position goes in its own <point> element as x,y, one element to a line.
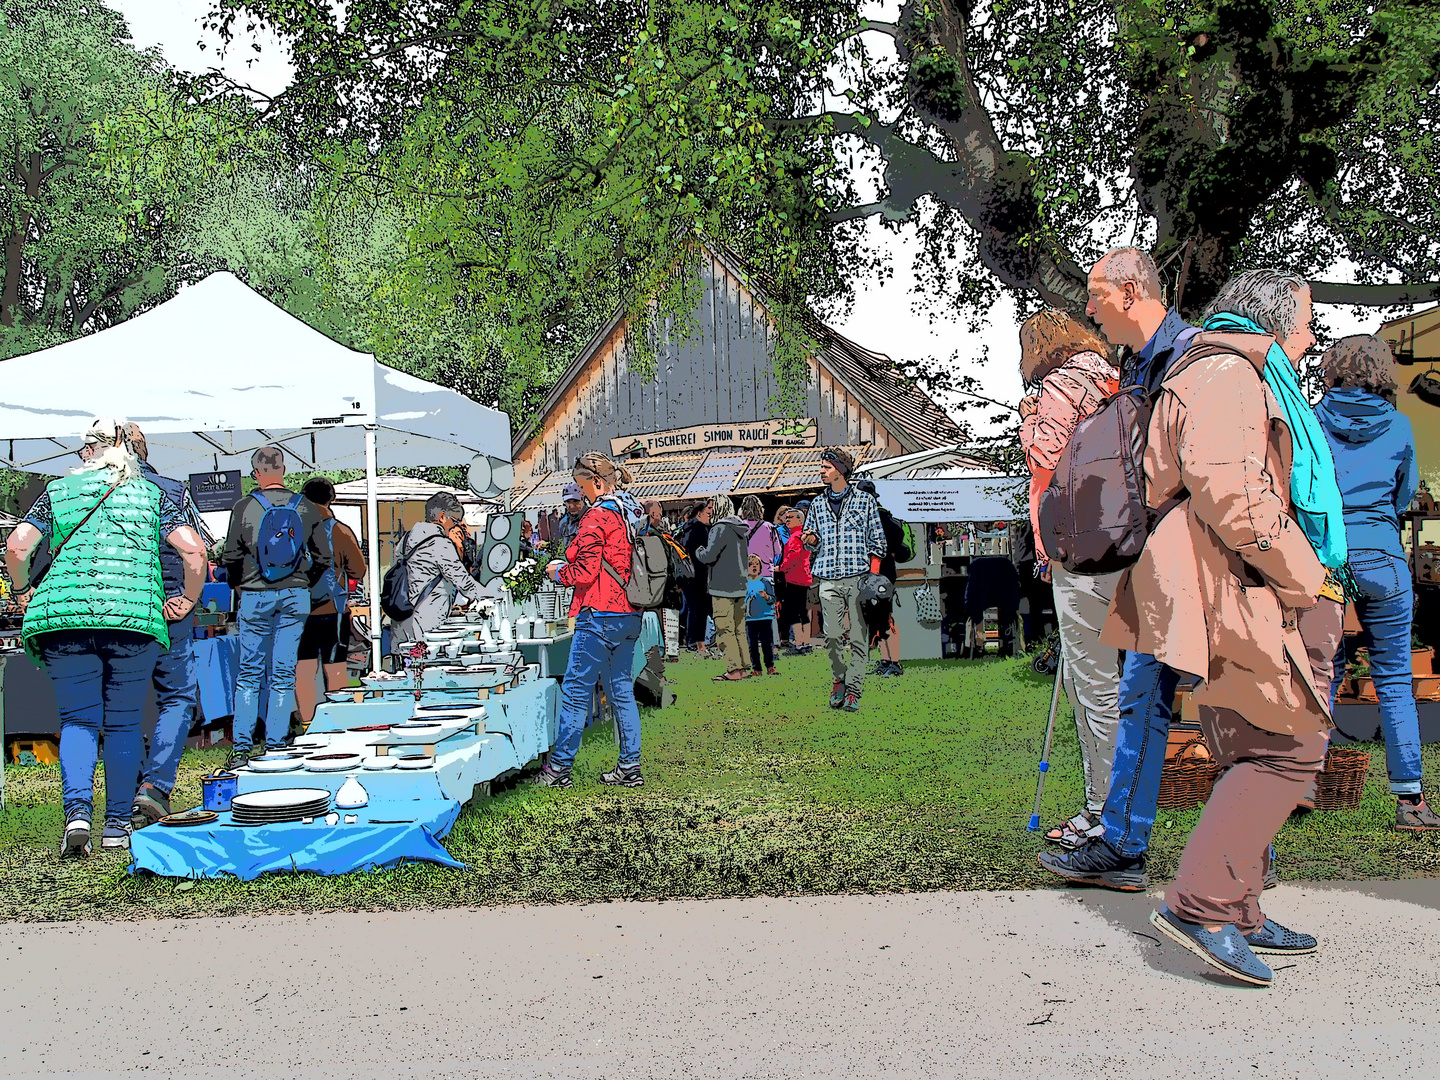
<point>1122,264</point>
<point>443,502</point>
<point>724,506</point>
<point>268,459</point>
<point>1268,298</point>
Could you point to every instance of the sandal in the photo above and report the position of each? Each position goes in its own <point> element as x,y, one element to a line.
<point>1080,828</point>
<point>729,676</point>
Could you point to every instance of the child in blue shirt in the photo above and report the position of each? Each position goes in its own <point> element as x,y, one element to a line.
<point>760,616</point>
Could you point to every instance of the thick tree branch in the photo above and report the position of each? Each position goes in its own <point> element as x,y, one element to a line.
<point>1334,292</point>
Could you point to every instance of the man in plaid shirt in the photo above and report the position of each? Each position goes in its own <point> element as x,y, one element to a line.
<point>843,530</point>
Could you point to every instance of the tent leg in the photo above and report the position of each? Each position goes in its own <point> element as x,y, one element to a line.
<point>372,527</point>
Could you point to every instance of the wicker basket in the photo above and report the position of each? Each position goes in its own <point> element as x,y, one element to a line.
<point>1342,781</point>
<point>1188,773</point>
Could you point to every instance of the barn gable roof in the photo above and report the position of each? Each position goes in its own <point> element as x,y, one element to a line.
<point>909,414</point>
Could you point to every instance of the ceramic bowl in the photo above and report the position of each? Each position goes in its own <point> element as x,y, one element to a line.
<point>378,764</point>
<point>414,761</point>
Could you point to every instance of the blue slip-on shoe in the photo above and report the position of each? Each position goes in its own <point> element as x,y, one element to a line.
<point>1280,940</point>
<point>1224,949</point>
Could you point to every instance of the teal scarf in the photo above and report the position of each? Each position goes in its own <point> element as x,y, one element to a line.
<point>1314,491</point>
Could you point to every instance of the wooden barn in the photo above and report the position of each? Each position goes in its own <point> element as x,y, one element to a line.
<point>703,424</point>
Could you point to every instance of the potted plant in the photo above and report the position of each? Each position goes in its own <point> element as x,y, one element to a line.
<point>1422,657</point>
<point>1360,670</point>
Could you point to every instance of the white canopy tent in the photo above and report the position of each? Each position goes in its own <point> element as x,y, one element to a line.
<point>218,372</point>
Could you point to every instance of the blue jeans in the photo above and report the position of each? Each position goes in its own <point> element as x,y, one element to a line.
<point>1147,695</point>
<point>602,651</point>
<point>270,622</point>
<point>1386,607</point>
<point>99,678</point>
<point>177,690</point>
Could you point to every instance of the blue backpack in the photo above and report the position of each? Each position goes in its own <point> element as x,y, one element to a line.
<point>280,541</point>
<point>329,586</point>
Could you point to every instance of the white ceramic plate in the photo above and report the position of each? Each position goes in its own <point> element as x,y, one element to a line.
<point>311,742</point>
<point>378,764</point>
<point>340,764</point>
<point>414,762</point>
<point>272,764</point>
<point>278,798</point>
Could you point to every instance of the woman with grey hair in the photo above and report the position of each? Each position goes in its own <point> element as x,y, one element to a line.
<point>435,574</point>
<point>1374,450</point>
<point>726,554</point>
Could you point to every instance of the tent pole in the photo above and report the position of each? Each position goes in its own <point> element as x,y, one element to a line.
<point>372,527</point>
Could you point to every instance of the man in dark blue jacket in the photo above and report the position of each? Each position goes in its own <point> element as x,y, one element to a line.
<point>1374,450</point>
<point>1126,303</point>
<point>176,677</point>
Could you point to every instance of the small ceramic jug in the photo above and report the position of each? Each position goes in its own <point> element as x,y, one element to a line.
<point>351,795</point>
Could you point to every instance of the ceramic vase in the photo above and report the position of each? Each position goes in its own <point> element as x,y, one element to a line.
<point>351,795</point>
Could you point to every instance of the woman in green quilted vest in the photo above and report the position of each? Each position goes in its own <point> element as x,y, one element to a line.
<point>97,617</point>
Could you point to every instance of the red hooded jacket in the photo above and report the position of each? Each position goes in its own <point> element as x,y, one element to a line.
<point>602,534</point>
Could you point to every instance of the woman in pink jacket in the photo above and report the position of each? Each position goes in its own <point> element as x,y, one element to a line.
<point>1071,366</point>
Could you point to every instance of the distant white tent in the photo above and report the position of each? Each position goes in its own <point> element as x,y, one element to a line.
<point>219,371</point>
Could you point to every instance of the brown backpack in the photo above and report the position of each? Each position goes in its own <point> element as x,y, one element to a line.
<point>1093,516</point>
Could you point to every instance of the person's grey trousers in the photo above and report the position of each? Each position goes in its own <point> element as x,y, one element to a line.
<point>1091,674</point>
<point>839,600</point>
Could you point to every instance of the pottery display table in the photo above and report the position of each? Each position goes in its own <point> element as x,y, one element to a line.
<point>409,810</point>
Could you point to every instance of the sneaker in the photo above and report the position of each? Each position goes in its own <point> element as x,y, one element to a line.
<point>1225,949</point>
<point>116,835</point>
<point>1280,940</point>
<point>852,703</point>
<point>837,694</point>
<point>623,776</point>
<point>895,668</point>
<point>151,804</point>
<point>76,844</point>
<point>1097,863</point>
<point>1415,817</point>
<point>546,778</point>
<point>238,758</point>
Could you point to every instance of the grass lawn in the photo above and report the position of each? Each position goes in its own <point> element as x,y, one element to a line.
<point>752,788</point>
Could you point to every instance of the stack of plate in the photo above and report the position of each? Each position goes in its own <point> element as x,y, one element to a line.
<point>281,804</point>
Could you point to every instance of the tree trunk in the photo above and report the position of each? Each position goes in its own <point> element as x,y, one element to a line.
<point>15,240</point>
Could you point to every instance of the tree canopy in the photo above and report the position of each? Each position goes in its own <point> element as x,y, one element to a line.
<point>1023,136</point>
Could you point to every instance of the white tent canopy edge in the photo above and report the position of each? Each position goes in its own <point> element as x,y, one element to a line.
<point>219,371</point>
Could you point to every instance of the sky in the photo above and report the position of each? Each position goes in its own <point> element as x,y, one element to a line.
<point>882,319</point>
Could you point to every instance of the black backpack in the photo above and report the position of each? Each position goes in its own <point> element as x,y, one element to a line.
<point>1093,516</point>
<point>395,587</point>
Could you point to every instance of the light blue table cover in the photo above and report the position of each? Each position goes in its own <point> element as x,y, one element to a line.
<point>219,849</point>
<point>521,724</point>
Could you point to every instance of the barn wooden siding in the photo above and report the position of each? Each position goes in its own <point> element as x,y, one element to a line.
<point>721,375</point>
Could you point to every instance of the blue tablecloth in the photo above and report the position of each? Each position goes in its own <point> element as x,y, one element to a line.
<point>520,725</point>
<point>217,662</point>
<point>208,851</point>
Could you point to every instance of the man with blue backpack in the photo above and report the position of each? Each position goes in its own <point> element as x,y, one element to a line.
<point>325,643</point>
<point>275,547</point>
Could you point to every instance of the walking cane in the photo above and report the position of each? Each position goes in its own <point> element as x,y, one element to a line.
<point>1045,754</point>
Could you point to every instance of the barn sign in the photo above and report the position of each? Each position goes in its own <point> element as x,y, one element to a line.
<point>759,434</point>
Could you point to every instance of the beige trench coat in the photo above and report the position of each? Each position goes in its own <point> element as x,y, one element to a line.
<point>1216,590</point>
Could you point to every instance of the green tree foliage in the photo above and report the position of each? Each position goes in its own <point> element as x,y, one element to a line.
<point>1023,136</point>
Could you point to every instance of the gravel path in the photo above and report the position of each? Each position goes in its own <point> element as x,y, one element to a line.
<point>997,984</point>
